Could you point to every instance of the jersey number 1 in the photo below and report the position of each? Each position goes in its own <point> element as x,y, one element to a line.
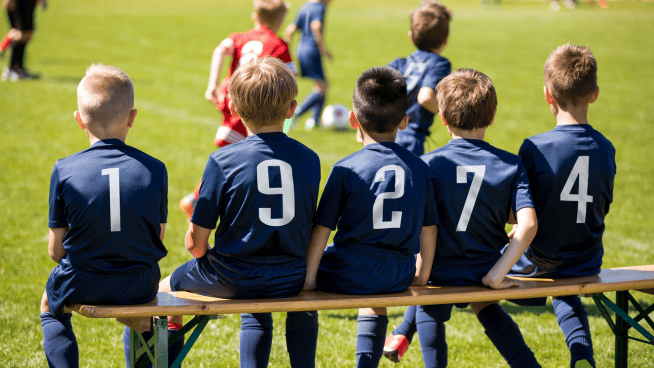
<point>114,197</point>
<point>378,207</point>
<point>287,190</point>
<point>473,193</point>
<point>580,170</point>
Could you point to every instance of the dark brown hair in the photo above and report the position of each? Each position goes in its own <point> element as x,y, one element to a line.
<point>430,25</point>
<point>380,99</point>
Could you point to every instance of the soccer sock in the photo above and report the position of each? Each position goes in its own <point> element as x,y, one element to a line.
<point>59,341</point>
<point>432,339</point>
<point>5,43</point>
<point>17,55</point>
<point>371,334</point>
<point>309,102</point>
<point>317,109</point>
<point>408,325</point>
<point>177,346</point>
<point>302,338</point>
<point>506,336</point>
<point>256,339</point>
<point>571,316</point>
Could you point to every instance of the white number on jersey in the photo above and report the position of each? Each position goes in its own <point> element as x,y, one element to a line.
<point>287,190</point>
<point>378,207</point>
<point>250,52</point>
<point>581,171</point>
<point>462,178</point>
<point>114,197</point>
<point>412,80</point>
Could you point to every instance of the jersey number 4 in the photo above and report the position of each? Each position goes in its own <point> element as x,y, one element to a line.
<point>581,171</point>
<point>378,207</point>
<point>287,190</point>
<point>473,193</point>
<point>114,197</point>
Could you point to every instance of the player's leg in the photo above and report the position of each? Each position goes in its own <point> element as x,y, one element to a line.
<point>59,341</point>
<point>256,339</point>
<point>398,341</point>
<point>430,323</point>
<point>372,324</point>
<point>504,334</point>
<point>573,320</point>
<point>302,338</point>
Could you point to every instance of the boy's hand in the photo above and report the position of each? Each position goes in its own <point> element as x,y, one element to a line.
<point>309,285</point>
<point>418,282</point>
<point>211,93</point>
<point>328,55</point>
<point>497,284</point>
<point>510,234</point>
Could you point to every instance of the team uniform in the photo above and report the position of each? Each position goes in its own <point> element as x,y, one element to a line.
<point>380,197</point>
<point>307,50</point>
<point>113,199</point>
<point>248,46</point>
<point>22,17</point>
<point>420,69</point>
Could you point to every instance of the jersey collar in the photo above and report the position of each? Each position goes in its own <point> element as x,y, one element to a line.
<point>574,128</point>
<point>108,142</point>
<point>266,136</point>
<point>462,142</point>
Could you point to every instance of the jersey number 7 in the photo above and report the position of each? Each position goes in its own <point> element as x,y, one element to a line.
<point>473,193</point>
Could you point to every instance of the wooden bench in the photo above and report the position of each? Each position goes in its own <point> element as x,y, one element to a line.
<point>620,280</point>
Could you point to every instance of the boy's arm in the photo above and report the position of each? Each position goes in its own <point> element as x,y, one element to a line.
<point>319,238</point>
<point>289,32</point>
<point>427,99</point>
<point>426,256</point>
<point>224,49</point>
<point>316,29</point>
<point>163,230</point>
<point>196,240</point>
<point>56,243</point>
<point>522,237</point>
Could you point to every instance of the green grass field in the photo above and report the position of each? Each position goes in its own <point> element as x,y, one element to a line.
<point>165,46</point>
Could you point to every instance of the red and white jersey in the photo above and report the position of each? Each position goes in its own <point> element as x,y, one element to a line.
<point>257,43</point>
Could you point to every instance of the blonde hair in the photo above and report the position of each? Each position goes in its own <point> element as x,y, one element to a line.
<point>467,99</point>
<point>105,95</point>
<point>270,12</point>
<point>571,75</point>
<point>262,91</point>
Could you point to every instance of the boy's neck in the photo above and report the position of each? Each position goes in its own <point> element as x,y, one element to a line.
<point>101,136</point>
<point>371,138</point>
<point>576,115</point>
<point>467,134</point>
<point>258,25</point>
<point>437,51</point>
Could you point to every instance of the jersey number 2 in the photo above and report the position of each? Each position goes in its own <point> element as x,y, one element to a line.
<point>287,190</point>
<point>378,207</point>
<point>473,193</point>
<point>114,197</point>
<point>581,171</point>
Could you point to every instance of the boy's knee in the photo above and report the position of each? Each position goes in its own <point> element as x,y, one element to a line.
<point>164,285</point>
<point>479,306</point>
<point>372,311</point>
<point>45,306</point>
<point>256,321</point>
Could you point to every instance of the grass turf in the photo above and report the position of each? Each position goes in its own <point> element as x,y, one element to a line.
<point>165,46</point>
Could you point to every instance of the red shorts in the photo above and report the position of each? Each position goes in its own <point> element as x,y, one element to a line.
<point>232,130</point>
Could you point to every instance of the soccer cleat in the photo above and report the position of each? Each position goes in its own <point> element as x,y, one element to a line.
<point>570,4</point>
<point>310,124</point>
<point>554,5</point>
<point>583,364</point>
<point>9,75</point>
<point>187,205</point>
<point>24,74</point>
<point>395,346</point>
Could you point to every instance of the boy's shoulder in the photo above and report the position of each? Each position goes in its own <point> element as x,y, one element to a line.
<point>566,135</point>
<point>100,151</point>
<point>378,155</point>
<point>422,60</point>
<point>278,142</point>
<point>472,149</point>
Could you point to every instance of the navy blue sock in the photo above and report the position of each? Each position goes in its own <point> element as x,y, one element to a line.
<point>308,103</point>
<point>256,339</point>
<point>317,109</point>
<point>506,336</point>
<point>302,338</point>
<point>408,326</point>
<point>431,332</point>
<point>173,351</point>
<point>571,316</point>
<point>371,334</point>
<point>59,341</point>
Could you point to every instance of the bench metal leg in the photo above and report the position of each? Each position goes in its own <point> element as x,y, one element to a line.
<point>622,332</point>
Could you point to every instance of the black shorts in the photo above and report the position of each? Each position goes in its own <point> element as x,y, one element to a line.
<point>22,17</point>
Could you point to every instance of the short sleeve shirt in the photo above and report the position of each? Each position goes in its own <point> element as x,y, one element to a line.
<point>476,186</point>
<point>420,69</point>
<point>571,170</point>
<point>309,12</point>
<point>264,191</point>
<point>379,196</point>
<point>113,198</point>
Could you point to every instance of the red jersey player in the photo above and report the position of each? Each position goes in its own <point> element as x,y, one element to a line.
<point>244,47</point>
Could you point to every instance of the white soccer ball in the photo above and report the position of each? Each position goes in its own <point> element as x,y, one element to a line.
<point>335,116</point>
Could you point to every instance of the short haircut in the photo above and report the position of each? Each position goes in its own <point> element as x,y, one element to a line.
<point>105,95</point>
<point>380,99</point>
<point>467,99</point>
<point>262,91</point>
<point>571,75</point>
<point>430,25</point>
<point>270,12</point>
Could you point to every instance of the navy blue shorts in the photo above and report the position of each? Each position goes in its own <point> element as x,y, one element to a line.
<point>525,268</point>
<point>67,285</point>
<point>410,142</point>
<point>226,277</point>
<point>310,62</point>
<point>364,270</point>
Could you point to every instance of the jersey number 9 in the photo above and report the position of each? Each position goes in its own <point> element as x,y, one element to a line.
<point>287,190</point>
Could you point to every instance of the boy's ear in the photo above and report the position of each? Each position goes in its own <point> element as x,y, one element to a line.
<point>595,95</point>
<point>130,119</point>
<point>410,35</point>
<point>78,118</point>
<point>232,109</point>
<point>404,123</point>
<point>291,109</point>
<point>354,122</point>
<point>548,96</point>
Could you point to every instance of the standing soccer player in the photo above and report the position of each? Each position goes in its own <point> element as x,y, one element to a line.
<point>21,17</point>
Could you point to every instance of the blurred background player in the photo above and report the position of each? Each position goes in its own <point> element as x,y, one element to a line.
<point>244,48</point>
<point>311,23</point>
<point>478,189</point>
<point>430,25</point>
<point>264,191</point>
<point>108,212</point>
<point>571,171</point>
<point>382,200</point>
<point>21,18</point>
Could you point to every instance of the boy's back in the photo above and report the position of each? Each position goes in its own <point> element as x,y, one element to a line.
<point>571,170</point>
<point>257,43</point>
<point>309,12</point>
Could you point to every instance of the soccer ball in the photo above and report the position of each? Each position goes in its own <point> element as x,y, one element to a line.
<point>336,116</point>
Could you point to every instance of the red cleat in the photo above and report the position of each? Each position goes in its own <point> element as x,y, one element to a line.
<point>395,346</point>
<point>187,205</point>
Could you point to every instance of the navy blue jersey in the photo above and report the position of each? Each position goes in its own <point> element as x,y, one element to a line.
<point>264,190</point>
<point>476,186</point>
<point>114,199</point>
<point>420,69</point>
<point>571,171</point>
<point>308,13</point>
<point>380,196</point>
